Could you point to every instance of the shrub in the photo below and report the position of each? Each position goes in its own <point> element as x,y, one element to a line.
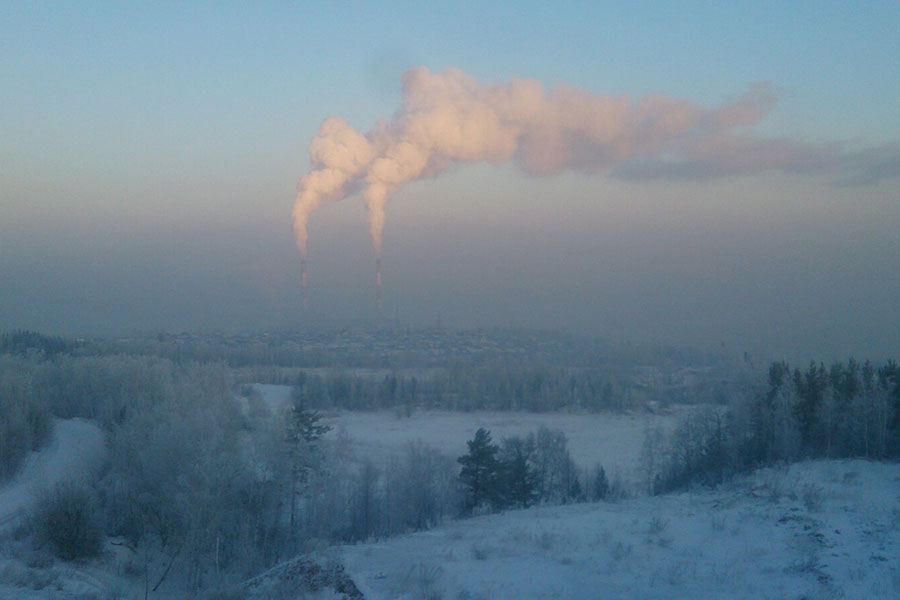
<point>424,580</point>
<point>480,551</point>
<point>657,526</point>
<point>66,518</point>
<point>620,551</point>
<point>812,497</point>
<point>655,531</point>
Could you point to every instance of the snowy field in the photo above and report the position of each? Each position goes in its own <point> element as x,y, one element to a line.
<point>814,530</point>
<point>613,440</point>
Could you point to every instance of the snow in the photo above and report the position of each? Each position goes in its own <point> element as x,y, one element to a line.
<point>275,397</point>
<point>611,439</point>
<point>814,530</point>
<point>823,529</point>
<point>614,440</point>
<point>820,529</point>
<point>76,447</point>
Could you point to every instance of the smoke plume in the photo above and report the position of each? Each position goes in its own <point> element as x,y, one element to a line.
<point>449,118</point>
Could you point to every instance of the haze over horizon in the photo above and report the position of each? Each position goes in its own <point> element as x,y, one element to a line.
<point>150,157</point>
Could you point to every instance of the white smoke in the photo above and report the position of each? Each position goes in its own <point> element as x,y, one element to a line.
<point>338,154</point>
<point>449,118</point>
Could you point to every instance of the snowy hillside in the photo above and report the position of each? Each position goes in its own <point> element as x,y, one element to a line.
<point>821,529</point>
<point>76,447</point>
<point>824,529</point>
<point>814,530</point>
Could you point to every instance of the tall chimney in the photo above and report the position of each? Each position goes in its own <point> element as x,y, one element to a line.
<point>303,281</point>
<point>378,301</point>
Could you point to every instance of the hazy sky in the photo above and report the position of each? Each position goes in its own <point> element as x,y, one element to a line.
<point>150,154</point>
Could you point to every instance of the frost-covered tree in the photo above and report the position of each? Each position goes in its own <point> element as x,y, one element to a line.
<point>809,388</point>
<point>303,432</point>
<point>554,468</point>
<point>26,422</point>
<point>366,501</point>
<point>421,488</point>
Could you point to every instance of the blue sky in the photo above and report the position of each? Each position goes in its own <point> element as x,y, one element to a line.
<point>146,147</point>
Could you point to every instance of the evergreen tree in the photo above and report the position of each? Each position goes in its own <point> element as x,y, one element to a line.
<point>303,433</point>
<point>601,484</point>
<point>778,373</point>
<point>520,489</point>
<point>889,379</point>
<point>481,471</point>
<point>810,390</point>
<point>575,494</point>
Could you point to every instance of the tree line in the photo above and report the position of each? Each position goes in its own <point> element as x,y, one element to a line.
<point>506,387</point>
<point>403,347</point>
<point>847,410</point>
<point>24,342</point>
<point>523,471</point>
<point>529,383</point>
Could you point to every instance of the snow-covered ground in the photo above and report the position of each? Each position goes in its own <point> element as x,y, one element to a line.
<point>275,397</point>
<point>814,530</point>
<point>611,439</point>
<point>823,529</point>
<point>76,447</point>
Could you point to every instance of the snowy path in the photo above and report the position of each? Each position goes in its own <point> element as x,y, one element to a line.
<point>77,446</point>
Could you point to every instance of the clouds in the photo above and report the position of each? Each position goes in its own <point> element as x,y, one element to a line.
<point>449,118</point>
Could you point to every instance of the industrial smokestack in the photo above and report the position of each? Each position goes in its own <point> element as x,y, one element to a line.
<point>450,118</point>
<point>378,301</point>
<point>303,281</point>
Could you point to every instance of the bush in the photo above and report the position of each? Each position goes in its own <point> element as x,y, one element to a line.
<point>425,581</point>
<point>66,518</point>
<point>480,551</point>
<point>812,497</point>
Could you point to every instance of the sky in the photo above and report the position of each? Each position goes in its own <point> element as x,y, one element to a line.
<point>151,153</point>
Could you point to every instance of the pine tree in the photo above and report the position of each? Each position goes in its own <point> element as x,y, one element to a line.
<point>810,390</point>
<point>601,484</point>
<point>481,471</point>
<point>520,487</point>
<point>303,433</point>
<point>889,380</point>
<point>575,493</point>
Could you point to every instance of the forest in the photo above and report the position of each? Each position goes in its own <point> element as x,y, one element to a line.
<point>203,479</point>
